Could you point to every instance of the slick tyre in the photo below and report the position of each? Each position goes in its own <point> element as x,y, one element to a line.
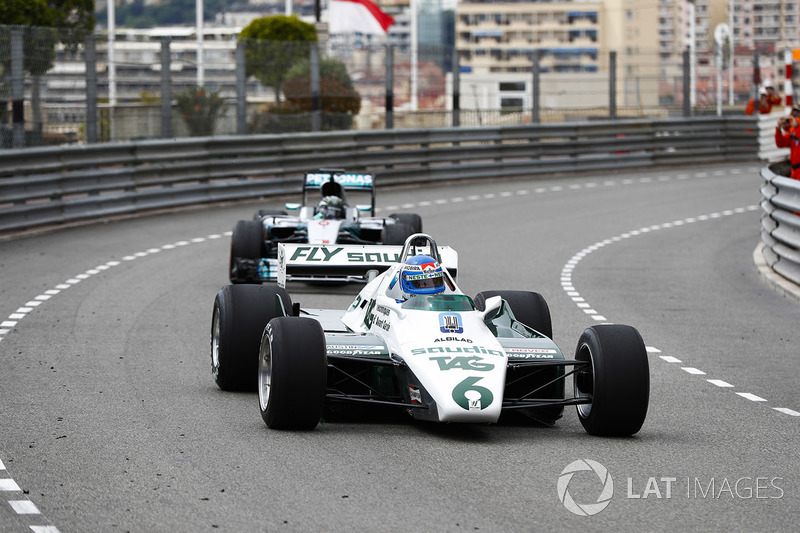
<point>617,380</point>
<point>261,213</point>
<point>292,373</point>
<point>246,243</point>
<point>411,219</point>
<point>396,234</point>
<point>240,314</point>
<point>530,308</point>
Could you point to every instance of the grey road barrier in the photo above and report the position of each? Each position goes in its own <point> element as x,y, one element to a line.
<point>56,185</point>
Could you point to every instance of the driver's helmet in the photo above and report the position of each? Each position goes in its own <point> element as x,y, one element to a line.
<point>422,274</point>
<point>331,207</point>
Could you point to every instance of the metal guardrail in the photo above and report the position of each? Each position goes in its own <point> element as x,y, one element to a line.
<point>767,150</point>
<point>780,222</point>
<point>45,186</point>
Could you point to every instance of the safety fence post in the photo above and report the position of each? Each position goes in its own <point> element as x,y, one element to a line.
<point>91,90</point>
<point>166,90</point>
<point>389,98</point>
<point>241,90</point>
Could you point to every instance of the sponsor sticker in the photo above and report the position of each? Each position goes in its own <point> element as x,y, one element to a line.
<point>358,346</point>
<point>360,351</point>
<point>531,353</point>
<point>356,349</point>
<point>450,323</point>
<point>346,180</point>
<point>463,363</point>
<point>415,394</point>
<point>477,350</point>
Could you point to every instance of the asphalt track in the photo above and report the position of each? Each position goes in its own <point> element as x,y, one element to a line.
<point>110,420</point>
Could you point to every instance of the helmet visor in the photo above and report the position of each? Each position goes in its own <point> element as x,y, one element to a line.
<point>425,281</point>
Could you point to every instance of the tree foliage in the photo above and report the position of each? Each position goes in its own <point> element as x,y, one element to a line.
<point>339,102</point>
<point>200,110</point>
<point>336,87</point>
<point>48,22</point>
<point>272,45</point>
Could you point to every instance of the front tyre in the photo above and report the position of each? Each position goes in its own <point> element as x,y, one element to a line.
<point>396,234</point>
<point>617,380</point>
<point>292,373</point>
<point>413,220</point>
<point>261,213</point>
<point>247,242</point>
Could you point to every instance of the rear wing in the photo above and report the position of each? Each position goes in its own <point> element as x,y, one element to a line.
<point>344,262</point>
<point>350,181</point>
<point>334,182</point>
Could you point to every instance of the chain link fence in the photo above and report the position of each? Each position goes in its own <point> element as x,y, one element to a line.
<point>146,84</point>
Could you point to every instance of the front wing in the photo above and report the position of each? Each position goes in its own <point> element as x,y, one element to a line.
<point>361,370</point>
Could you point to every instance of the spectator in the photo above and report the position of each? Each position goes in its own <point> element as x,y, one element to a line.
<point>762,103</point>
<point>767,98</point>
<point>773,98</point>
<point>786,136</point>
<point>764,106</point>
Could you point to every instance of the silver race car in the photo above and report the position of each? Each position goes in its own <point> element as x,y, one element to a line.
<point>411,340</point>
<point>331,220</point>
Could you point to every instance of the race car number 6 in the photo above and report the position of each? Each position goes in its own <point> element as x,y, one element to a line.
<point>472,397</point>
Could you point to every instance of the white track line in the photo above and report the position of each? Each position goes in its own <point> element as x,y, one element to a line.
<point>27,507</point>
<point>568,287</point>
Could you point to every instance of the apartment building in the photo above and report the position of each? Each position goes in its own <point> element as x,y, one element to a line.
<point>497,39</point>
<point>767,25</point>
<point>573,38</point>
<point>500,37</point>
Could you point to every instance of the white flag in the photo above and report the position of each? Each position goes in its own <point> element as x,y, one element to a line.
<point>346,16</point>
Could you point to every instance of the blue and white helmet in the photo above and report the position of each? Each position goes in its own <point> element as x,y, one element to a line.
<point>422,275</point>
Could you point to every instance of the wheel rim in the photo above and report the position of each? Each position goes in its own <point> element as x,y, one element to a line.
<point>264,374</point>
<point>584,354</point>
<point>215,343</point>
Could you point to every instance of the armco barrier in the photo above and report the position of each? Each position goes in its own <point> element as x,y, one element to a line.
<point>43,186</point>
<point>780,222</point>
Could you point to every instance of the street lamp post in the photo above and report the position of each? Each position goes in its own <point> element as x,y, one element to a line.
<point>731,55</point>
<point>200,65</point>
<point>692,56</point>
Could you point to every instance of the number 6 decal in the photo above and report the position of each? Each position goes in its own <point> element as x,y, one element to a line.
<point>472,397</point>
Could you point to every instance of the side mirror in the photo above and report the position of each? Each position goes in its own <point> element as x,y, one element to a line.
<point>292,205</point>
<point>492,306</point>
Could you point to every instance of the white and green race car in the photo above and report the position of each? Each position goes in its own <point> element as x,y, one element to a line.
<point>412,340</point>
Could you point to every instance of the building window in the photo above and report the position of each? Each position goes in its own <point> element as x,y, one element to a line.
<point>512,86</point>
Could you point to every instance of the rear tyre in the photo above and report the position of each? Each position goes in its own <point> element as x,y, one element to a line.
<point>396,233</point>
<point>268,213</point>
<point>240,314</point>
<point>247,241</point>
<point>412,219</point>
<point>292,373</point>
<point>530,308</point>
<point>617,381</point>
